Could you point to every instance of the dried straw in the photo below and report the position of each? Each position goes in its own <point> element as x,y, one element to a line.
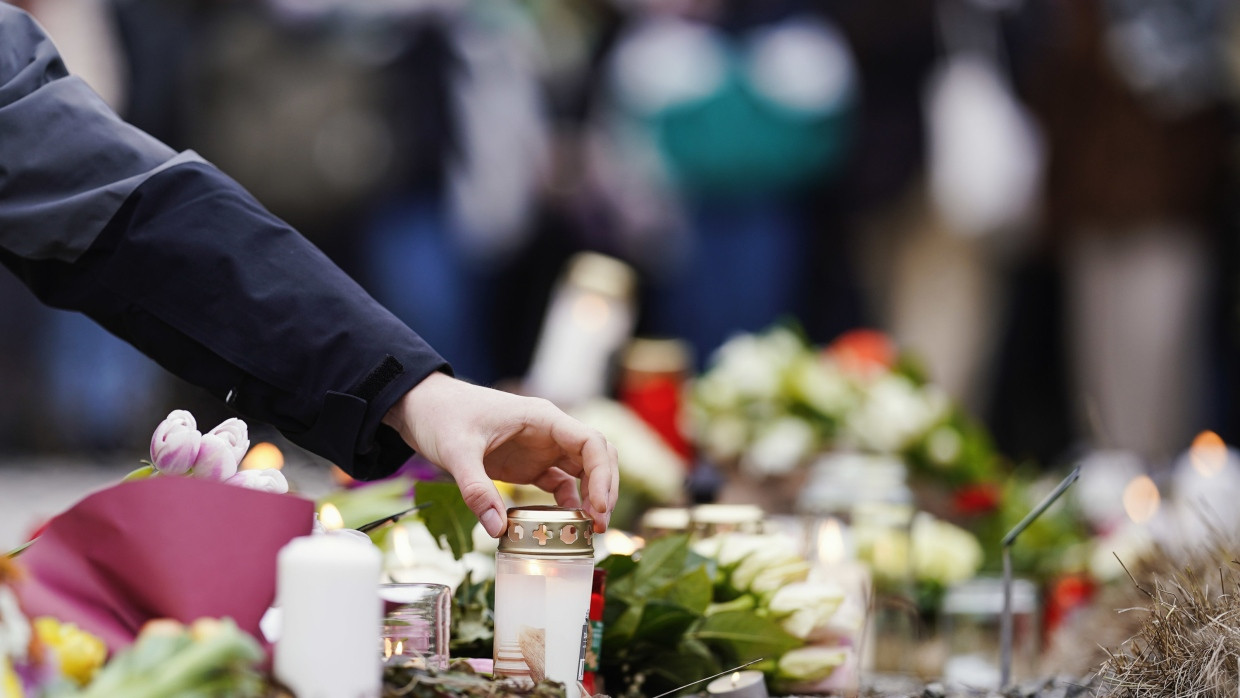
<point>1188,641</point>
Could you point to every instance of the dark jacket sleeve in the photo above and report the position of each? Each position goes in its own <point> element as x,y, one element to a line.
<point>173,256</point>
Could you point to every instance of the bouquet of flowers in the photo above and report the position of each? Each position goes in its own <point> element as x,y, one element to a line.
<point>769,402</point>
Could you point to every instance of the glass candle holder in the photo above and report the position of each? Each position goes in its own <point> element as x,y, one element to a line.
<point>416,620</point>
<point>971,615</point>
<point>544,570</point>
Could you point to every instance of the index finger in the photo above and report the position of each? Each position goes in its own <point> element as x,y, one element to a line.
<point>588,450</point>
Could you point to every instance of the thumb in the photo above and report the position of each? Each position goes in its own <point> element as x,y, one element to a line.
<point>482,498</point>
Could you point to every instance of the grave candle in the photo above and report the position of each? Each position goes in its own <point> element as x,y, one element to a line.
<point>544,570</point>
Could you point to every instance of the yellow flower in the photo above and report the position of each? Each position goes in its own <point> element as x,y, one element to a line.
<point>80,653</point>
<point>10,687</point>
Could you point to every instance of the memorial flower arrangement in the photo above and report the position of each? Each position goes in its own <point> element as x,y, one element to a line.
<point>769,402</point>
<point>678,611</point>
<point>44,657</point>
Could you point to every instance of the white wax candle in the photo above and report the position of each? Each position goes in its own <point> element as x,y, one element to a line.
<point>327,590</point>
<point>568,609</point>
<point>738,684</point>
<point>550,597</point>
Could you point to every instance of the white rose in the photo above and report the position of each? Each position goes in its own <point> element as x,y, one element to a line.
<point>944,552</point>
<point>724,436</point>
<point>774,577</point>
<point>806,606</point>
<point>730,548</point>
<point>483,542</point>
<point>771,566</point>
<point>895,411</point>
<point>714,393</point>
<point>780,447</point>
<point>420,559</point>
<point>806,664</point>
<point>943,445</point>
<point>756,364</point>
<point>822,386</point>
<point>647,463</point>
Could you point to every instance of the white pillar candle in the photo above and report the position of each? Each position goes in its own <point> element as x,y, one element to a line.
<point>327,590</point>
<point>738,684</point>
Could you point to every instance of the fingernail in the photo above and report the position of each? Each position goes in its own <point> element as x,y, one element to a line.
<point>491,522</point>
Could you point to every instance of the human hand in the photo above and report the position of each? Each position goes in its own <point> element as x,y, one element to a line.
<point>478,435</point>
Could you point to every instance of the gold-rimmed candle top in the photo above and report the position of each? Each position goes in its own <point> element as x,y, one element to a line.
<point>549,531</point>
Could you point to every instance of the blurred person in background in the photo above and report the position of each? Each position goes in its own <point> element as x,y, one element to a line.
<point>1132,95</point>
<point>718,124</point>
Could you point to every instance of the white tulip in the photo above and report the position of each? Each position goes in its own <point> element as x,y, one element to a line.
<point>806,606</point>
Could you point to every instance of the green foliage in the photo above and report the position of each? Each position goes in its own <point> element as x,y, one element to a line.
<point>473,621</point>
<point>361,505</point>
<point>216,660</point>
<point>449,519</point>
<point>658,632</point>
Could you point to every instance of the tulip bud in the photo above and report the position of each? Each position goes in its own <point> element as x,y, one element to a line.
<point>216,459</point>
<point>262,479</point>
<point>234,432</point>
<point>175,443</point>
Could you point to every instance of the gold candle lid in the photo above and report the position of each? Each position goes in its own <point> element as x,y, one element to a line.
<point>549,531</point>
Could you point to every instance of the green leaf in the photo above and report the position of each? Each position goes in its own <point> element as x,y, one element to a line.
<point>20,549</point>
<point>140,473</point>
<point>744,636</point>
<point>662,561</point>
<point>691,592</point>
<point>620,631</point>
<point>361,505</point>
<point>617,566</point>
<point>661,620</point>
<point>450,519</point>
<point>684,665</point>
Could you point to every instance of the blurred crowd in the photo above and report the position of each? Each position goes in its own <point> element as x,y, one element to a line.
<point>1037,197</point>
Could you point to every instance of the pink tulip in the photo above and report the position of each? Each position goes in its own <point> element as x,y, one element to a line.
<point>263,479</point>
<point>234,431</point>
<point>175,443</point>
<point>216,459</point>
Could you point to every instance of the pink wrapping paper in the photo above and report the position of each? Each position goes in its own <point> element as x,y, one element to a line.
<point>165,547</point>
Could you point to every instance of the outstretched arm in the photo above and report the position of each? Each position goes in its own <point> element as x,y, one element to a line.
<point>173,256</point>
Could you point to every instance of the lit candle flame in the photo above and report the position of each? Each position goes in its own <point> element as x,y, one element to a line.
<point>330,517</point>
<point>1208,454</point>
<point>1141,499</point>
<point>263,456</point>
<point>400,647</point>
<point>387,648</point>
<point>736,678</point>
<point>830,541</point>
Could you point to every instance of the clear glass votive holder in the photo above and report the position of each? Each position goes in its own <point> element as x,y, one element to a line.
<point>971,618</point>
<point>416,620</point>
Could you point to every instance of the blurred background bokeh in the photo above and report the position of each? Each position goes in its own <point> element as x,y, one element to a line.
<point>1036,198</point>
